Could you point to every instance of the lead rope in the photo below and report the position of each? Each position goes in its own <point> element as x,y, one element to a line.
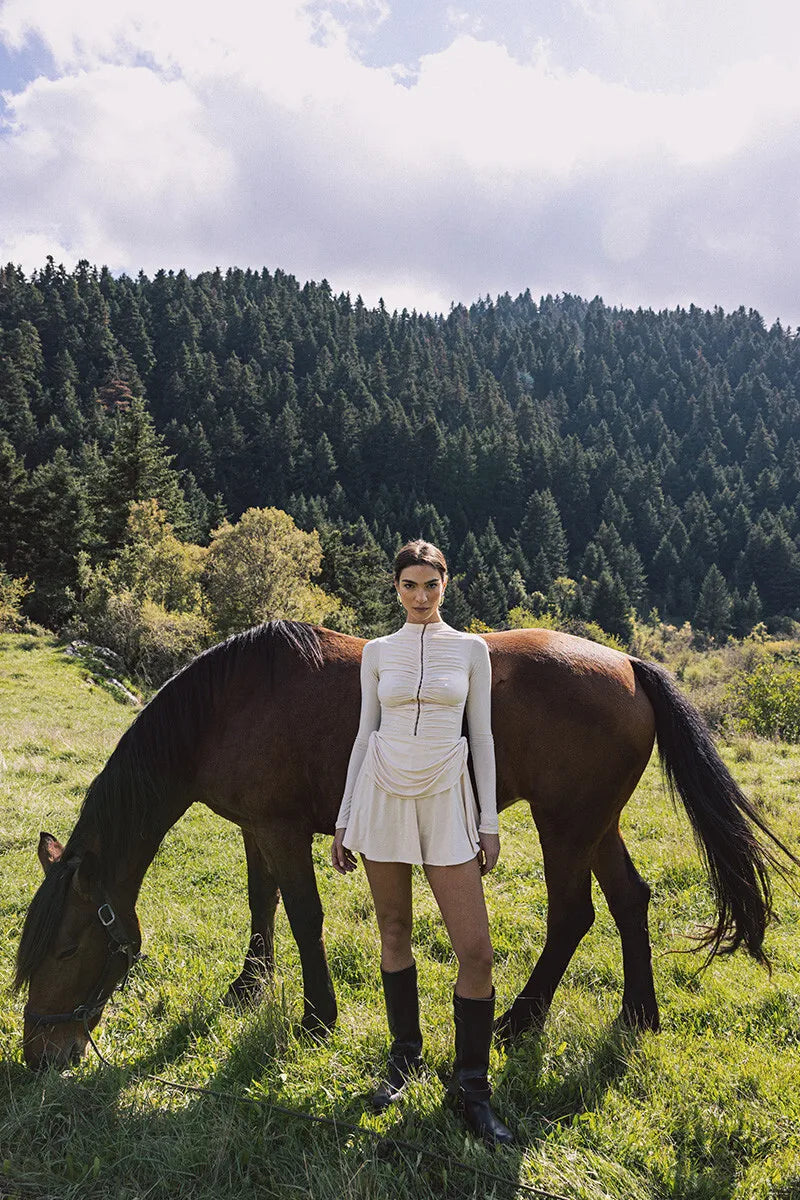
<point>387,1143</point>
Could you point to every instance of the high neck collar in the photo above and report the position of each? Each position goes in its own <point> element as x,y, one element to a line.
<point>414,626</point>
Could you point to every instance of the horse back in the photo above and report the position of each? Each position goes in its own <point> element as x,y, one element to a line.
<point>568,717</point>
<point>572,726</point>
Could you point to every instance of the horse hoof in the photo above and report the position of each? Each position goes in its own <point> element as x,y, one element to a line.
<point>505,1030</point>
<point>312,1027</point>
<point>515,1021</point>
<point>639,1018</point>
<point>244,993</point>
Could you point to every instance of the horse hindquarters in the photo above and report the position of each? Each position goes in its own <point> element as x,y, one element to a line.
<point>582,736</point>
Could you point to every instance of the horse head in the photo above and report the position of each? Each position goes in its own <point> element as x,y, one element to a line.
<point>79,940</point>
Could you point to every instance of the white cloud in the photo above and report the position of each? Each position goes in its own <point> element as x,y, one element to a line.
<point>683,43</point>
<point>252,133</point>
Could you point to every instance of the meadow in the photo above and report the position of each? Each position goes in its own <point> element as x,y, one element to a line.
<point>709,1108</point>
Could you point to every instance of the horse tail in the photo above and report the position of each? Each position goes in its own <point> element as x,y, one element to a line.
<point>723,820</point>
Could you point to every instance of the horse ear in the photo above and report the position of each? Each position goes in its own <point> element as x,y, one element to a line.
<point>49,850</point>
<point>87,874</point>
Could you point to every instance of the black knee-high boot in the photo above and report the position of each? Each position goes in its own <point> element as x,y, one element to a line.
<point>402,1011</point>
<point>469,1087</point>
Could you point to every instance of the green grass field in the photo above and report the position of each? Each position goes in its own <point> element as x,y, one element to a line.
<point>709,1108</point>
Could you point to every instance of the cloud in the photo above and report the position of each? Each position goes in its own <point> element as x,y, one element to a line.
<point>195,136</point>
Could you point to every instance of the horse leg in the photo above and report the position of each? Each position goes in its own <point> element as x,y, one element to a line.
<point>287,851</point>
<point>569,917</point>
<point>259,962</point>
<point>628,896</point>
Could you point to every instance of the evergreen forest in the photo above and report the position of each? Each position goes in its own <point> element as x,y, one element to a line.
<point>564,454</point>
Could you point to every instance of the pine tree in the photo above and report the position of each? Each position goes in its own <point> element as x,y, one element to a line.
<point>611,606</point>
<point>517,593</point>
<point>484,600</point>
<point>541,573</point>
<point>713,612</point>
<point>356,570</point>
<point>752,608</point>
<point>542,532</point>
<point>16,419</point>
<point>139,468</point>
<point>772,561</point>
<point>58,527</point>
<point>456,610</point>
<point>14,501</point>
<point>323,464</point>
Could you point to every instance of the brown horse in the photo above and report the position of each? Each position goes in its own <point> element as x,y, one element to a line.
<point>260,727</point>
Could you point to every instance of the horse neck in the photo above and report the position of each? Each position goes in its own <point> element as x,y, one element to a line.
<point>126,867</point>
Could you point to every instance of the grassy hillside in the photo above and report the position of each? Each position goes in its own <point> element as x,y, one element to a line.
<point>708,1109</point>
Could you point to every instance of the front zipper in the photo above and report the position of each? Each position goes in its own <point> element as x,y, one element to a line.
<point>421,673</point>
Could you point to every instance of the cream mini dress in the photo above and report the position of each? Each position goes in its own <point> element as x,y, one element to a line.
<point>408,795</point>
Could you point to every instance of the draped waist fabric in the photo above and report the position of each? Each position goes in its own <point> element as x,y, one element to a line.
<point>413,767</point>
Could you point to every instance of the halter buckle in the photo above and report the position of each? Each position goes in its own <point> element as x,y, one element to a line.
<point>112,916</point>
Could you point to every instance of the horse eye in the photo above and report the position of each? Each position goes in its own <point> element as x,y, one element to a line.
<point>68,953</point>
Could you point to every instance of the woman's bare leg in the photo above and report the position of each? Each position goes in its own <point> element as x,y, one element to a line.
<point>390,884</point>
<point>459,893</point>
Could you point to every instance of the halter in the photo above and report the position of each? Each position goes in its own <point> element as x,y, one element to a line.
<point>119,942</point>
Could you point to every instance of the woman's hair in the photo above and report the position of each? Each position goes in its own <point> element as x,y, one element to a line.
<point>419,554</point>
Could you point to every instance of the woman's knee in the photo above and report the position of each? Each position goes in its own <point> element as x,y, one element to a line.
<point>395,933</point>
<point>476,956</point>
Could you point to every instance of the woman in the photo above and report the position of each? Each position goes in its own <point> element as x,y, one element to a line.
<point>408,799</point>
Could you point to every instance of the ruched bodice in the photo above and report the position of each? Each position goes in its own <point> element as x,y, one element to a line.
<point>423,683</point>
<point>415,687</point>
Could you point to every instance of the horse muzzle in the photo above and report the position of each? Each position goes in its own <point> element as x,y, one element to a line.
<point>56,1047</point>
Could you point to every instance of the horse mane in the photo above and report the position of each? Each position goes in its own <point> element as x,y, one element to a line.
<point>42,920</point>
<point>125,801</point>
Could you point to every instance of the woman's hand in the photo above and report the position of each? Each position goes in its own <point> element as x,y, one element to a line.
<point>343,859</point>
<point>489,851</point>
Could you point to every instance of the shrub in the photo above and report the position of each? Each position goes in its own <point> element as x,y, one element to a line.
<point>167,641</point>
<point>155,565</point>
<point>524,618</point>
<point>476,625</point>
<point>153,642</point>
<point>766,701</point>
<point>12,593</point>
<point>260,569</point>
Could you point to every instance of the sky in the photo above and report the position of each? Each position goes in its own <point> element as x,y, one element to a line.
<point>425,152</point>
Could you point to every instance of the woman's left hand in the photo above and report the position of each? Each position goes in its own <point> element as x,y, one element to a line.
<point>489,851</point>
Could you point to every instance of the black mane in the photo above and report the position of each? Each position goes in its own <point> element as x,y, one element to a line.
<point>127,799</point>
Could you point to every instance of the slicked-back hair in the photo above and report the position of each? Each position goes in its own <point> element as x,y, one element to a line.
<point>419,553</point>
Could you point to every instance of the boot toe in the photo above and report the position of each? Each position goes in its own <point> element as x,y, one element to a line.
<point>485,1123</point>
<point>398,1072</point>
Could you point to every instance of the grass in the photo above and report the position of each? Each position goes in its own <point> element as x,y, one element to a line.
<point>708,1109</point>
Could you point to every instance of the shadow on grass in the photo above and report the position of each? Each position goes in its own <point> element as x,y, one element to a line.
<point>709,1163</point>
<point>445,1164</point>
<point>79,1134</point>
<point>563,1094</point>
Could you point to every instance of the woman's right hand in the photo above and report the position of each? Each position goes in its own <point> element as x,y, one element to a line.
<point>343,859</point>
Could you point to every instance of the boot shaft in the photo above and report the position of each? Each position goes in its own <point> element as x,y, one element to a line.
<point>402,1010</point>
<point>474,1022</point>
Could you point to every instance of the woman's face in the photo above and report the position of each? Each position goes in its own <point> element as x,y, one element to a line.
<point>421,590</point>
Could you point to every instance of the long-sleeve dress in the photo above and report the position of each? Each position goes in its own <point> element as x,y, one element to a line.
<point>408,795</point>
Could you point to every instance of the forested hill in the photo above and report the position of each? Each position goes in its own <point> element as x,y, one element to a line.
<point>643,455</point>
